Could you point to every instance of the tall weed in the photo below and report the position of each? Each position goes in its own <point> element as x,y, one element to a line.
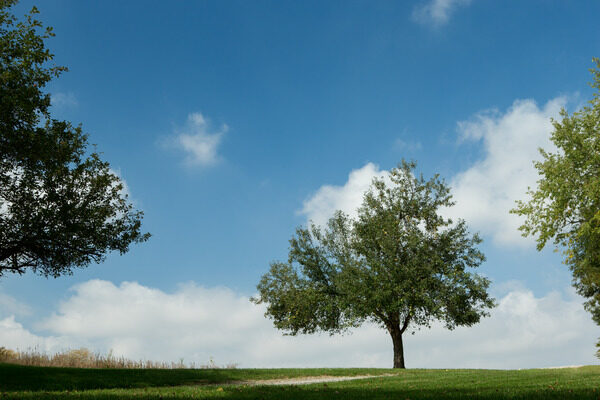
<point>84,358</point>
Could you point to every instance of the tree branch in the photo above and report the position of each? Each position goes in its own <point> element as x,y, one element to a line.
<point>406,322</point>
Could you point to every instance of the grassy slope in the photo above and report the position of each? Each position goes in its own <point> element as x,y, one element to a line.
<point>17,377</point>
<point>50,383</point>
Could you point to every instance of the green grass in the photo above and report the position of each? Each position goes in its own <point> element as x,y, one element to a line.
<point>25,378</point>
<point>69,383</point>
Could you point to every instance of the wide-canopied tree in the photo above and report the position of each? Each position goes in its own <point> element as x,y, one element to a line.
<point>61,206</point>
<point>400,264</point>
<point>565,206</point>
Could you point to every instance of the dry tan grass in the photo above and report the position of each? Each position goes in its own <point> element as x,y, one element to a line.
<point>84,358</point>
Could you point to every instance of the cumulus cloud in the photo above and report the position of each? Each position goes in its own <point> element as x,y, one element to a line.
<point>524,331</point>
<point>436,12</point>
<point>16,337</point>
<point>328,198</point>
<point>196,323</point>
<point>9,305</point>
<point>198,142</point>
<point>485,192</point>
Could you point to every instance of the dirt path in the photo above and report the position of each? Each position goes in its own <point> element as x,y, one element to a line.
<point>305,380</point>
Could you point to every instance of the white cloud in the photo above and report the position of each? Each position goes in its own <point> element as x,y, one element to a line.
<point>348,198</point>
<point>524,331</point>
<point>436,12</point>
<point>9,305</point>
<point>64,100</point>
<point>486,191</point>
<point>196,140</point>
<point>196,323</point>
<point>14,336</point>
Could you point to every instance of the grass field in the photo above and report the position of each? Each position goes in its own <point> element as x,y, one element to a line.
<point>21,382</point>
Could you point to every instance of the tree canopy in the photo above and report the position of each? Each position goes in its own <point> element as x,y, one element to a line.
<point>565,206</point>
<point>400,264</point>
<point>61,206</point>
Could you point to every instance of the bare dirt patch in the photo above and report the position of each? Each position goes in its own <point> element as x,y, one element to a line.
<point>305,380</point>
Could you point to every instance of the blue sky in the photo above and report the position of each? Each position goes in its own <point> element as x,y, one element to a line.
<point>233,122</point>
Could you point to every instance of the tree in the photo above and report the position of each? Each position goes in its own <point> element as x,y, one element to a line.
<point>61,206</point>
<point>565,206</point>
<point>400,264</point>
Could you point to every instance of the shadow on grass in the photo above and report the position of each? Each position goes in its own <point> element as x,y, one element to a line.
<point>17,377</point>
<point>18,382</point>
<point>312,392</point>
<point>28,378</point>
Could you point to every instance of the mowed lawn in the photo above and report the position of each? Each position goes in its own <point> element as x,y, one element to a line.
<point>18,382</point>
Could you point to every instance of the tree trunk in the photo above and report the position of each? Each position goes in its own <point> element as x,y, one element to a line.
<point>396,334</point>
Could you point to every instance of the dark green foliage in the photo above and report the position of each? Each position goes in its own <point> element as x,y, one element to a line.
<point>565,206</point>
<point>400,264</point>
<point>60,205</point>
<point>24,73</point>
